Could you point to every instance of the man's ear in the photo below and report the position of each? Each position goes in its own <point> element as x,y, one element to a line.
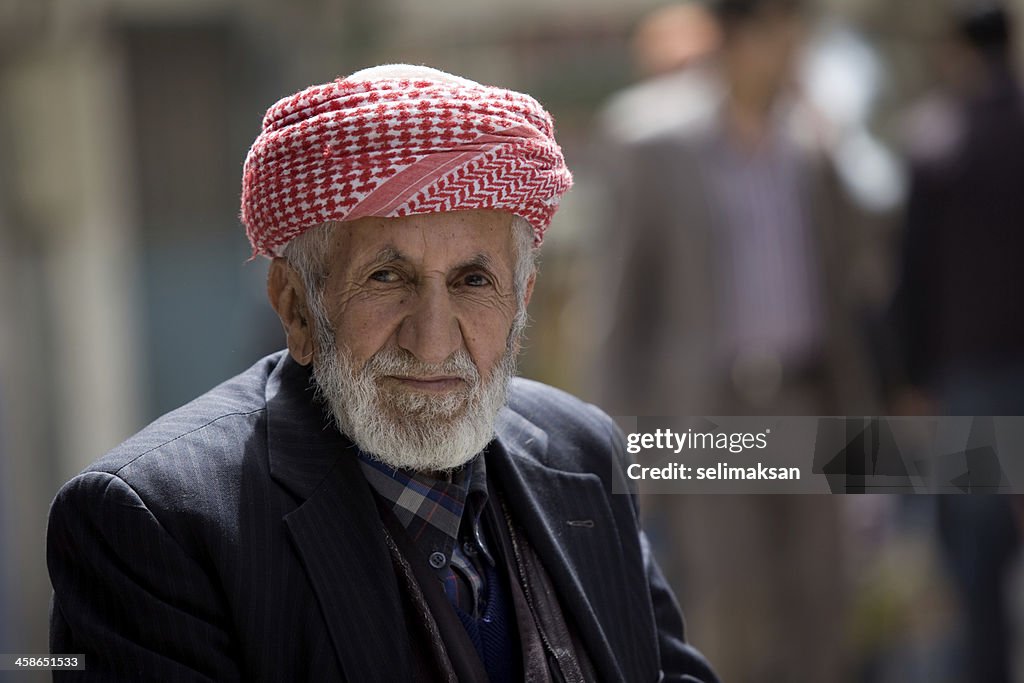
<point>529,289</point>
<point>288,297</point>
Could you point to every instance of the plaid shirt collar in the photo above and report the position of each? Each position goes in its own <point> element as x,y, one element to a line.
<point>429,508</point>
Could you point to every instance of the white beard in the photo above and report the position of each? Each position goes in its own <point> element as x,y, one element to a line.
<point>407,429</point>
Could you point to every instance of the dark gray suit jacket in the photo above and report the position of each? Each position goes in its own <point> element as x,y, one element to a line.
<point>236,539</point>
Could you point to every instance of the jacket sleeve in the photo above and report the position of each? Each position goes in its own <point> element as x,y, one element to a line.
<point>680,662</point>
<point>126,594</point>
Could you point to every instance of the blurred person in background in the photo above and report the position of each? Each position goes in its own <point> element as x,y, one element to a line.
<point>959,307</point>
<point>672,38</point>
<point>726,291</point>
<point>669,48</point>
<point>737,222</point>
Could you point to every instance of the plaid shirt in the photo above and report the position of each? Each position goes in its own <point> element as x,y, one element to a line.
<point>443,519</point>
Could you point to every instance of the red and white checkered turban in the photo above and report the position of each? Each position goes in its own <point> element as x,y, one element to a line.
<point>399,140</point>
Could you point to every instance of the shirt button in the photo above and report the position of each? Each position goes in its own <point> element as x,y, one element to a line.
<point>438,560</point>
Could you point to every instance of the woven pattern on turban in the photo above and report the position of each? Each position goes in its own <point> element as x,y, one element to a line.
<point>369,145</point>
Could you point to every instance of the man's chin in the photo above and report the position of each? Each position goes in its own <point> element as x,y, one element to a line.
<point>429,408</point>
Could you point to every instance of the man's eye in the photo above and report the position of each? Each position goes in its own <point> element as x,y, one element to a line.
<point>476,280</point>
<point>384,275</point>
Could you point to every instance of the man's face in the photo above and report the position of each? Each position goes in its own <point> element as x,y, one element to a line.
<point>414,345</point>
<point>429,284</point>
<point>760,51</point>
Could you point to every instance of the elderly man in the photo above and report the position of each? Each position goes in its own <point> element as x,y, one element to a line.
<point>382,501</point>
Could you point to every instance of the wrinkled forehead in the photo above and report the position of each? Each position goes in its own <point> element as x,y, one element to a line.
<point>434,241</point>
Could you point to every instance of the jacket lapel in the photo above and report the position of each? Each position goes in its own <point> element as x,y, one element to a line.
<point>569,524</point>
<point>336,531</point>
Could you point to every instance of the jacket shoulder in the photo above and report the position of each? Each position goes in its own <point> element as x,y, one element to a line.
<point>187,466</point>
<point>535,400</point>
<point>182,464</point>
<point>227,408</point>
<point>580,436</point>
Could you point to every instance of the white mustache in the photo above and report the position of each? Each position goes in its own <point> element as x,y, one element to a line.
<point>393,361</point>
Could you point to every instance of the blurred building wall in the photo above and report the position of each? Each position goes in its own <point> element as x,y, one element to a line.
<point>69,368</point>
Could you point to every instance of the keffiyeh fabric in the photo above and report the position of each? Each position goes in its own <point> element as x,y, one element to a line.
<point>395,141</point>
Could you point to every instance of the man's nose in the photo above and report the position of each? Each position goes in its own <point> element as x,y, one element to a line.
<point>431,329</point>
